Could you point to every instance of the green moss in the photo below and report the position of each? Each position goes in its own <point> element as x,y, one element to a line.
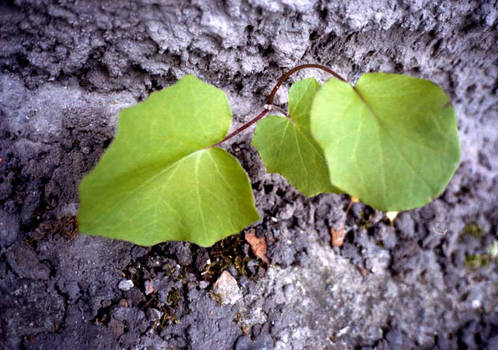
<point>475,261</point>
<point>225,254</point>
<point>169,314</point>
<point>472,229</point>
<point>173,298</point>
<point>216,297</point>
<point>169,317</point>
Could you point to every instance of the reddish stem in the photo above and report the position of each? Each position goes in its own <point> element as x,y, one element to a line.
<point>296,69</point>
<point>243,127</point>
<point>269,100</point>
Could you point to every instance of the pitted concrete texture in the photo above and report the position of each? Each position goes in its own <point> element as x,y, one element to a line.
<point>67,67</point>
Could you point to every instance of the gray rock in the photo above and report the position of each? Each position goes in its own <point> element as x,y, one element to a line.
<point>117,327</point>
<point>264,342</point>
<point>125,285</point>
<point>9,228</point>
<point>181,251</point>
<point>25,263</point>
<point>154,314</point>
<point>69,67</point>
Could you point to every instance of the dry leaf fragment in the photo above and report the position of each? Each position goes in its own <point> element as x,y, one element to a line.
<point>258,245</point>
<point>363,271</point>
<point>337,236</point>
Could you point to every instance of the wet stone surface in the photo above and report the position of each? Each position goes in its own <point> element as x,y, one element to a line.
<point>424,282</point>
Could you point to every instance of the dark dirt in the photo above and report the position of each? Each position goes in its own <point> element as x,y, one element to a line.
<point>67,67</point>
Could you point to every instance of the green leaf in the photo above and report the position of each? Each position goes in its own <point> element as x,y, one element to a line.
<point>287,147</point>
<point>392,142</point>
<point>158,182</point>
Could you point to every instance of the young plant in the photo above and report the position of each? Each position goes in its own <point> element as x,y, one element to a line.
<point>390,140</point>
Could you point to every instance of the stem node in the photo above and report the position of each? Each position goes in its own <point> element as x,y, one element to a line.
<point>268,106</point>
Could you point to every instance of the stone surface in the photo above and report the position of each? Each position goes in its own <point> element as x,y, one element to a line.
<point>25,263</point>
<point>67,67</point>
<point>125,285</point>
<point>227,289</point>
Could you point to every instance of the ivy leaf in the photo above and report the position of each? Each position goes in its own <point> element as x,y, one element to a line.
<point>158,182</point>
<point>287,147</point>
<point>391,141</point>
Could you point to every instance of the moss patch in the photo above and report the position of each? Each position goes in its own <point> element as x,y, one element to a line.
<point>475,261</point>
<point>225,254</point>
<point>473,230</point>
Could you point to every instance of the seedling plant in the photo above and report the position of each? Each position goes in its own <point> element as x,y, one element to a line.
<point>390,140</point>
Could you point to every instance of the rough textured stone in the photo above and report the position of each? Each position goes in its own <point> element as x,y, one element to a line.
<point>125,285</point>
<point>9,228</point>
<point>25,263</point>
<point>227,289</point>
<point>67,67</point>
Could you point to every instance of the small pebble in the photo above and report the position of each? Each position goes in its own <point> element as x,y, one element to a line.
<point>149,287</point>
<point>227,289</point>
<point>154,314</point>
<point>203,284</point>
<point>125,285</point>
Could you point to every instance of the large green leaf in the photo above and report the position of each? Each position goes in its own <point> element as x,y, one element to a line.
<point>160,181</point>
<point>287,147</point>
<point>392,142</point>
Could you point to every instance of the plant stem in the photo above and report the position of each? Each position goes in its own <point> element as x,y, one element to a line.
<point>243,127</point>
<point>284,77</point>
<point>269,101</point>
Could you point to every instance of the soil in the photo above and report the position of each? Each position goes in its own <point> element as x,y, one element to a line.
<point>67,68</point>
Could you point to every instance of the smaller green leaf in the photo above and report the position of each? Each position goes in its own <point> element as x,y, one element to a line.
<point>287,147</point>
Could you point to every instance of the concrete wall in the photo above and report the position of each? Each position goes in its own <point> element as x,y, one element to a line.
<point>67,67</point>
